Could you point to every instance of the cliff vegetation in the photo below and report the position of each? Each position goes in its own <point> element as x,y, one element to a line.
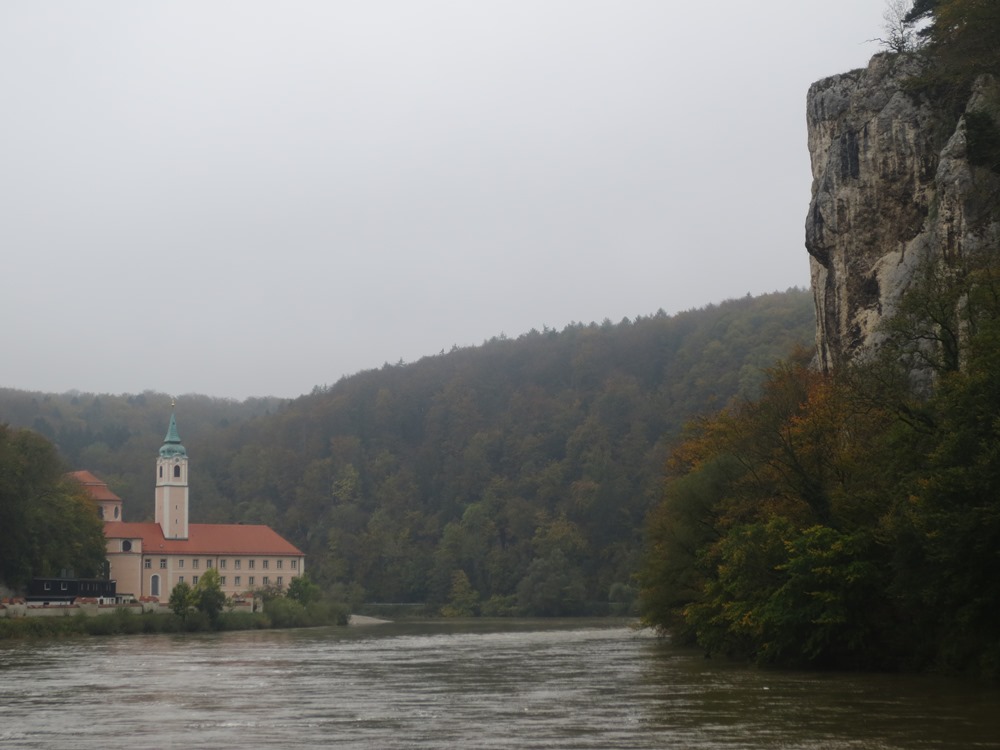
<point>850,516</point>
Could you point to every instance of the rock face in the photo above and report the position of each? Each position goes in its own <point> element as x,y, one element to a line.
<point>892,187</point>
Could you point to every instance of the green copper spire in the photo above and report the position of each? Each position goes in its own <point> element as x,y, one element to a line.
<point>172,442</point>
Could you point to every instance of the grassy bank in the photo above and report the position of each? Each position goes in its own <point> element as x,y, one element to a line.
<point>278,613</point>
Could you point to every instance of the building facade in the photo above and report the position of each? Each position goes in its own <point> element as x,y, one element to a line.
<point>148,559</point>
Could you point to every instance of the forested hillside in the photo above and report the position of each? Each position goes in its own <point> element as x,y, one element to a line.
<point>512,476</point>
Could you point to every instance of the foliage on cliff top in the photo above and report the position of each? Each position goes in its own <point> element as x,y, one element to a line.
<point>963,36</point>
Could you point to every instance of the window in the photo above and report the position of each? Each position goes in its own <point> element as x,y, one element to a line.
<point>281,580</point>
<point>116,512</point>
<point>48,586</point>
<point>194,563</point>
<point>250,564</point>
<point>177,470</point>
<point>295,564</point>
<point>154,585</point>
<point>236,581</point>
<point>100,512</point>
<point>163,562</point>
<point>222,563</point>
<point>266,564</point>
<point>208,563</point>
<point>194,580</point>
<point>147,563</point>
<point>180,563</point>
<point>127,545</point>
<point>251,580</point>
<point>180,579</point>
<point>222,580</point>
<point>236,564</point>
<point>62,586</point>
<point>161,472</point>
<point>279,564</point>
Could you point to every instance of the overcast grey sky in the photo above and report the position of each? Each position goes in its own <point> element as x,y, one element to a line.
<point>252,198</point>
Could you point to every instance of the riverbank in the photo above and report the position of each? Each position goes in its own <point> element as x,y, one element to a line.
<point>278,613</point>
<point>358,621</point>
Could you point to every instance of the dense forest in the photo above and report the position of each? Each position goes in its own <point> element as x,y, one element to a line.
<point>853,519</point>
<point>514,476</point>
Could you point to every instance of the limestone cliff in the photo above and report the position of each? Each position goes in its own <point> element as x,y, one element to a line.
<point>892,186</point>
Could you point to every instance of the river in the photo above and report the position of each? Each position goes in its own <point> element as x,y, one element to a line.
<point>519,684</point>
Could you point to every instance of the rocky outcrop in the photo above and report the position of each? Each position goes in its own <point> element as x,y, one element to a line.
<point>892,188</point>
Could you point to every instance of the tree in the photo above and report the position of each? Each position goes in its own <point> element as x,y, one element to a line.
<point>553,587</point>
<point>302,590</point>
<point>464,600</point>
<point>900,35</point>
<point>50,524</point>
<point>181,599</point>
<point>208,596</point>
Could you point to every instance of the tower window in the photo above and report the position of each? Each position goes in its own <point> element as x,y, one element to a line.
<point>161,472</point>
<point>177,471</point>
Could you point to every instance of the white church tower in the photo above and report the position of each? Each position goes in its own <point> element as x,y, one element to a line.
<point>172,485</point>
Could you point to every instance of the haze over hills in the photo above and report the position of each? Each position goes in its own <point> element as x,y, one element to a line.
<point>519,467</point>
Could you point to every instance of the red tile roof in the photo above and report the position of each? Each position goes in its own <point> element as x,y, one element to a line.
<point>206,539</point>
<point>97,489</point>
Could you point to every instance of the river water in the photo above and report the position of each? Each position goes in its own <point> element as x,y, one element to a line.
<point>460,685</point>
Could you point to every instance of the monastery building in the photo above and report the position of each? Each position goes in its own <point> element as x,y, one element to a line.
<point>148,559</point>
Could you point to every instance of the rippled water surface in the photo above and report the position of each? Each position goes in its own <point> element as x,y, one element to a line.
<point>461,685</point>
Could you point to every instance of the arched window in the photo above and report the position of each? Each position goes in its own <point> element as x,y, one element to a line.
<point>161,472</point>
<point>177,470</point>
<point>116,512</point>
<point>154,585</point>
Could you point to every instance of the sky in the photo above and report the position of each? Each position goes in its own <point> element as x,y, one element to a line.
<point>247,198</point>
